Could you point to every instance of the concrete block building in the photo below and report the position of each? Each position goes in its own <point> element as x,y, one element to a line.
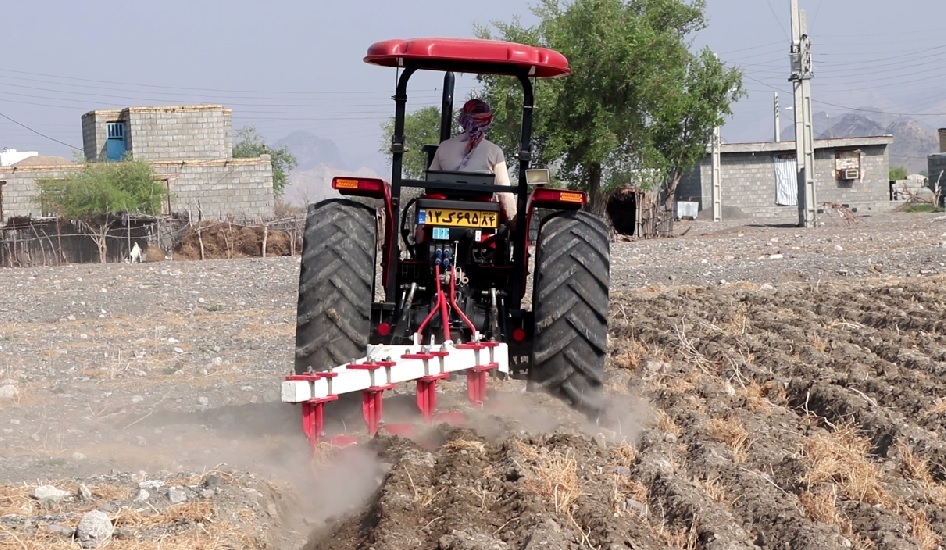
<point>936,163</point>
<point>189,147</point>
<point>758,180</point>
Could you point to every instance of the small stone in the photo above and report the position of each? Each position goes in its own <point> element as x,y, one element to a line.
<point>151,485</point>
<point>622,471</point>
<point>142,495</point>
<point>838,247</point>
<point>213,481</point>
<point>178,350</point>
<point>48,493</point>
<point>8,391</point>
<point>78,456</point>
<point>776,257</point>
<point>84,492</point>
<point>202,401</point>
<point>207,493</point>
<point>141,440</point>
<point>177,495</point>
<point>94,528</point>
<point>670,438</point>
<point>633,506</point>
<point>137,399</point>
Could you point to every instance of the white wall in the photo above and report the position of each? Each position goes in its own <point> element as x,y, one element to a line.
<point>9,157</point>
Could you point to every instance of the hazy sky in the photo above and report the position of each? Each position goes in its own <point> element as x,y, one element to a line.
<point>297,65</point>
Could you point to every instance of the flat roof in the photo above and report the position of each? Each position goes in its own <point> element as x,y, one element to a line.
<point>159,108</point>
<point>789,146</point>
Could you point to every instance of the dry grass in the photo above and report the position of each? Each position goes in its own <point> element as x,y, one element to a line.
<point>739,322</point>
<point>633,357</point>
<point>921,530</point>
<point>917,468</point>
<point>456,445</point>
<point>624,454</point>
<point>684,537</point>
<point>192,524</point>
<point>194,511</point>
<point>818,343</point>
<point>821,505</point>
<point>713,489</point>
<point>843,457</point>
<point>731,432</point>
<point>938,407</point>
<point>755,396</point>
<point>667,424</point>
<point>558,480</point>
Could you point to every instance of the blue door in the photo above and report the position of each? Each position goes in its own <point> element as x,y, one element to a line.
<point>115,142</point>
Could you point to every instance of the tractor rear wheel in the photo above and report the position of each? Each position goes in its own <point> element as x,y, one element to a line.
<point>336,284</point>
<point>570,300</point>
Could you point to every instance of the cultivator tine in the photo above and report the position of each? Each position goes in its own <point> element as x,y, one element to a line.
<point>384,367</point>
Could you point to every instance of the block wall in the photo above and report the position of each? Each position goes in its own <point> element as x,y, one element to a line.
<point>748,183</point>
<point>185,133</point>
<point>20,192</point>
<point>242,188</point>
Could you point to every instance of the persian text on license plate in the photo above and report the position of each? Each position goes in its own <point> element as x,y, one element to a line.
<point>458,218</point>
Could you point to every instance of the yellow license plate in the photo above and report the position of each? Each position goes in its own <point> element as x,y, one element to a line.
<point>458,218</point>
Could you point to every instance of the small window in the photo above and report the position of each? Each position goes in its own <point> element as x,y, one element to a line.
<point>115,142</point>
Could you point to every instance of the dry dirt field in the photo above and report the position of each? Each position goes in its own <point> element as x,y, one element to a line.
<point>771,387</point>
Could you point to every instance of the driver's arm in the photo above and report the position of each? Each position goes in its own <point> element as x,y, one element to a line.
<point>507,201</point>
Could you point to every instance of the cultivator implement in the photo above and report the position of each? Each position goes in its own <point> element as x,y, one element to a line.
<point>382,369</point>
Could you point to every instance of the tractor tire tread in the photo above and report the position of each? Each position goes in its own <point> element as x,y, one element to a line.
<point>570,302</point>
<point>336,280</point>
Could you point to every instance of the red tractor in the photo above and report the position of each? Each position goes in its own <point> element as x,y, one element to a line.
<point>458,291</point>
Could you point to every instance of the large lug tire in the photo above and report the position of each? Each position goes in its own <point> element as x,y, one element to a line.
<point>336,285</point>
<point>570,296</point>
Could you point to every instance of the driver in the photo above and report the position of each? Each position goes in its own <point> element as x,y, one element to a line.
<point>472,152</point>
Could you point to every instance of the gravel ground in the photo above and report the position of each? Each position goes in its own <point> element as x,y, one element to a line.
<point>113,375</point>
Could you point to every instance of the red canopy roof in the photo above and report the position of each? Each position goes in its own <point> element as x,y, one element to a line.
<point>468,55</point>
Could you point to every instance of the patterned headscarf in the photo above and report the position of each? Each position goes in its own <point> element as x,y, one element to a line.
<point>475,118</point>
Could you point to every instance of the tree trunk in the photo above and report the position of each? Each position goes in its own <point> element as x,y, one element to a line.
<point>670,201</point>
<point>595,200</point>
<point>100,236</point>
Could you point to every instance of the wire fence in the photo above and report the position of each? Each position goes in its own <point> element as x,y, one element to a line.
<point>53,242</point>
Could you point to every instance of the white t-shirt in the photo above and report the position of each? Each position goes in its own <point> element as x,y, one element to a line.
<point>486,157</point>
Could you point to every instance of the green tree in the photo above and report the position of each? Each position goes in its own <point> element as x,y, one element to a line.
<point>100,193</point>
<point>248,143</point>
<point>422,127</point>
<point>898,173</point>
<point>639,100</point>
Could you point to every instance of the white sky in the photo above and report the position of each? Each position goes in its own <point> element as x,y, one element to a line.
<point>297,65</point>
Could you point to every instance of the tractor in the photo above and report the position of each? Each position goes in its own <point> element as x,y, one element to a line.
<point>454,299</point>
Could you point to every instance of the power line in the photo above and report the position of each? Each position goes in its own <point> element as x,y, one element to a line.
<point>38,132</point>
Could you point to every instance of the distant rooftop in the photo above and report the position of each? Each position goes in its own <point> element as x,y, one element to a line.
<point>787,146</point>
<point>43,161</point>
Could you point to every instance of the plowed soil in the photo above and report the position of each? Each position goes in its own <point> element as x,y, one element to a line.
<point>770,387</point>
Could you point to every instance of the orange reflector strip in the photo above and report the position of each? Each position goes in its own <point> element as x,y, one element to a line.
<point>571,197</point>
<point>345,183</point>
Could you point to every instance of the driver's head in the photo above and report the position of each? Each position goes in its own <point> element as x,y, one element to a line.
<point>475,116</point>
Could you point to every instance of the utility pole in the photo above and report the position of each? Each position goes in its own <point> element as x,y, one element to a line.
<point>778,124</point>
<point>801,64</point>
<point>717,178</point>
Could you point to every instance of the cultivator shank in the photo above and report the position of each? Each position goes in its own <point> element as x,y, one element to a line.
<point>382,369</point>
